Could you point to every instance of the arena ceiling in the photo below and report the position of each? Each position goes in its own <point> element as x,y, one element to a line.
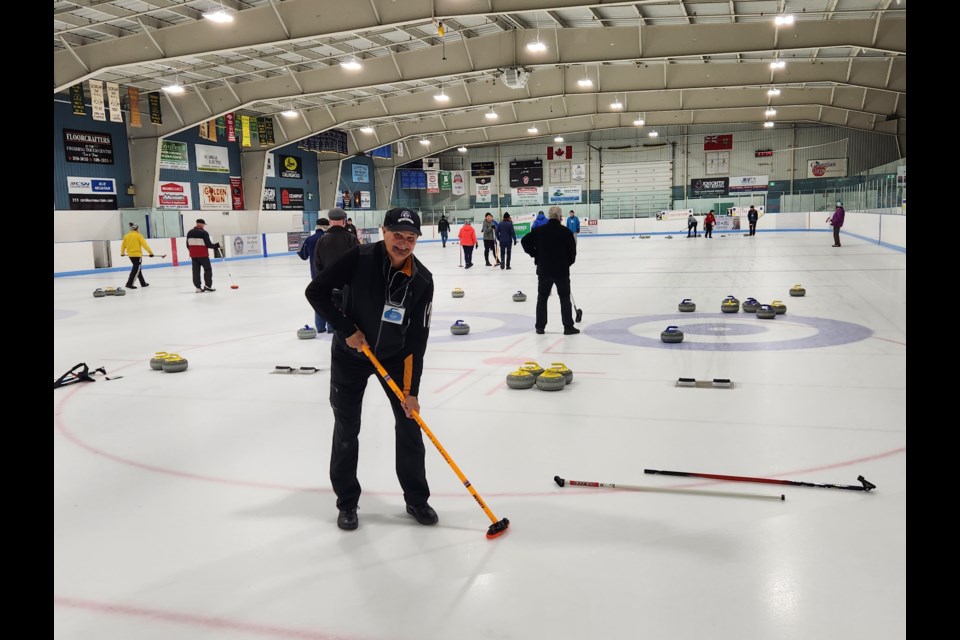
<point>696,63</point>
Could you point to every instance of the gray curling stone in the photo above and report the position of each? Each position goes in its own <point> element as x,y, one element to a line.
<point>778,307</point>
<point>99,293</point>
<point>521,379</point>
<point>563,369</point>
<point>174,363</point>
<point>797,291</point>
<point>120,292</point>
<point>156,362</point>
<point>671,335</point>
<point>110,291</point>
<point>750,305</point>
<point>730,305</point>
<point>766,312</point>
<point>644,237</point>
<point>551,380</point>
<point>307,333</point>
<point>519,296</point>
<point>532,367</point>
<point>459,328</point>
<point>457,293</point>
<point>669,237</point>
<point>686,305</point>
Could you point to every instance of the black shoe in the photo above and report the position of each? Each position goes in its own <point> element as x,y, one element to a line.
<point>424,513</point>
<point>130,286</point>
<point>347,520</point>
<point>209,289</point>
<point>569,331</point>
<point>540,330</point>
<point>468,266</point>
<point>508,267</point>
<point>489,265</point>
<point>836,245</point>
<point>144,284</point>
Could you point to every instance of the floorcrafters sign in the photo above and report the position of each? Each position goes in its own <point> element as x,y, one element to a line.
<point>709,187</point>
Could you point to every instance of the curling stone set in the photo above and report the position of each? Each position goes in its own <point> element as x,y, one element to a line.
<point>109,291</point>
<point>168,362</point>
<point>730,304</point>
<point>530,374</point>
<point>460,327</point>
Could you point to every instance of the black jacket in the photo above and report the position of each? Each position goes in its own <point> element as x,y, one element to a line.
<point>366,277</point>
<point>334,243</point>
<point>443,226</point>
<point>553,248</point>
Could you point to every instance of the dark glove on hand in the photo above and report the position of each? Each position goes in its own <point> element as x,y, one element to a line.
<point>514,243</point>
<point>216,246</point>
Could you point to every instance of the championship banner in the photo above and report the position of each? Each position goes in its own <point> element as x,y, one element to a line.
<point>835,168</point>
<point>433,181</point>
<point>96,100</point>
<point>459,183</point>
<point>76,99</point>
<point>236,193</point>
<point>153,102</point>
<point>446,181</point>
<point>482,193</point>
<point>245,131</point>
<point>133,97</point>
<point>214,196</point>
<point>203,130</point>
<point>229,121</point>
<point>113,100</point>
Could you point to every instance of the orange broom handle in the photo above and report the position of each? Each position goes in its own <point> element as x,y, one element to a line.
<point>423,425</point>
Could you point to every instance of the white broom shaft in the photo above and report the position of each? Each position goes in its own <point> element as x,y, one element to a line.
<point>696,492</point>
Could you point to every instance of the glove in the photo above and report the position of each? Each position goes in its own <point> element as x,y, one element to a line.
<point>514,243</point>
<point>216,246</point>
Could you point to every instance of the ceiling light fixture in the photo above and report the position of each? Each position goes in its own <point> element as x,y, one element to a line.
<point>533,129</point>
<point>768,124</point>
<point>462,149</point>
<point>773,91</point>
<point>585,82</point>
<point>653,134</point>
<point>366,129</point>
<point>176,88</point>
<point>424,142</point>
<point>778,64</point>
<point>218,15</point>
<point>639,122</point>
<point>289,113</point>
<point>351,63</point>
<point>783,20</point>
<point>491,115</point>
<point>616,105</point>
<point>441,97</point>
<point>536,46</point>
<point>558,139</point>
<point>770,112</point>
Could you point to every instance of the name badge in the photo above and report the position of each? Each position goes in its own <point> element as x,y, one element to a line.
<point>393,314</point>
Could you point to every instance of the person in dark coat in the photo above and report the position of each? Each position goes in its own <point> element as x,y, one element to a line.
<point>443,227</point>
<point>335,242</point>
<point>836,221</point>
<point>507,237</point>
<point>306,252</point>
<point>752,216</point>
<point>198,245</point>
<point>539,221</point>
<point>554,250</point>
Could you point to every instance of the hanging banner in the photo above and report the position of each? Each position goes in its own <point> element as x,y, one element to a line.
<point>96,100</point>
<point>332,141</point>
<point>433,181</point>
<point>214,196</point>
<point>578,173</point>
<point>173,155</point>
<point>268,138</point>
<point>524,196</point>
<point>835,168</point>
<point>173,195</point>
<point>459,187</point>
<point>446,181</point>
<point>76,99</point>
<point>203,130</point>
<point>212,159</point>
<point>236,193</point>
<point>270,170</point>
<point>483,193</point>
<point>88,146</point>
<point>133,98</point>
<point>364,199</point>
<point>113,100</point>
<point>565,194</point>
<point>360,173</point>
<point>245,132</point>
<point>153,101</point>
<point>229,123</point>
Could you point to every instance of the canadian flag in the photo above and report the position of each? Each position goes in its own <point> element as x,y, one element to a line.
<point>559,153</point>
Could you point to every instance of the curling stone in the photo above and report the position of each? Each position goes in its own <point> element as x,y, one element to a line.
<point>766,312</point>
<point>778,307</point>
<point>109,291</point>
<point>519,296</point>
<point>551,380</point>
<point>521,379</point>
<point>99,293</point>
<point>797,291</point>
<point>307,333</point>
<point>730,305</point>
<point>669,237</point>
<point>687,305</point>
<point>750,305</point>
<point>644,237</point>
<point>120,291</point>
<point>156,362</point>
<point>564,370</point>
<point>671,334</point>
<point>457,293</point>
<point>459,328</point>
<point>173,363</point>
<point>532,367</point>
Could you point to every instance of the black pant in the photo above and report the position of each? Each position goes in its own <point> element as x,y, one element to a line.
<point>135,272</point>
<point>692,226</point>
<point>488,247</point>
<point>707,230</point>
<point>836,235</point>
<point>506,252</point>
<point>544,285</point>
<point>468,255</point>
<point>753,228</point>
<point>207,272</point>
<point>348,380</point>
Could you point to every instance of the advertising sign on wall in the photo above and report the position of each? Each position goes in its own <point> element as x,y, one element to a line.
<point>174,195</point>
<point>236,193</point>
<point>269,199</point>
<point>747,184</point>
<point>674,214</point>
<point>589,227</point>
<point>290,167</point>
<point>295,239</point>
<point>565,194</point>
<point>92,193</point>
<point>88,146</point>
<point>291,198</point>
<point>708,187</point>
<point>247,245</point>
<point>212,159</point>
<point>364,199</point>
<point>361,173</point>
<point>835,168</point>
<point>214,196</point>
<point>173,155</point>
<point>526,196</point>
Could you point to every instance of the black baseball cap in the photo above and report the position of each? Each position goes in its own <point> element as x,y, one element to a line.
<point>402,220</point>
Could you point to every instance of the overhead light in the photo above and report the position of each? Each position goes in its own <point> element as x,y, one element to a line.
<point>289,113</point>
<point>367,129</point>
<point>783,20</point>
<point>653,134</point>
<point>536,46</point>
<point>424,141</point>
<point>219,15</point>
<point>491,115</point>
<point>768,124</point>
<point>639,122</point>
<point>558,139</point>
<point>175,88</point>
<point>585,83</point>
<point>778,64</point>
<point>770,112</point>
<point>773,91</point>
<point>532,130</point>
<point>462,149</point>
<point>351,63</point>
<point>616,105</point>
<point>441,97</point>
